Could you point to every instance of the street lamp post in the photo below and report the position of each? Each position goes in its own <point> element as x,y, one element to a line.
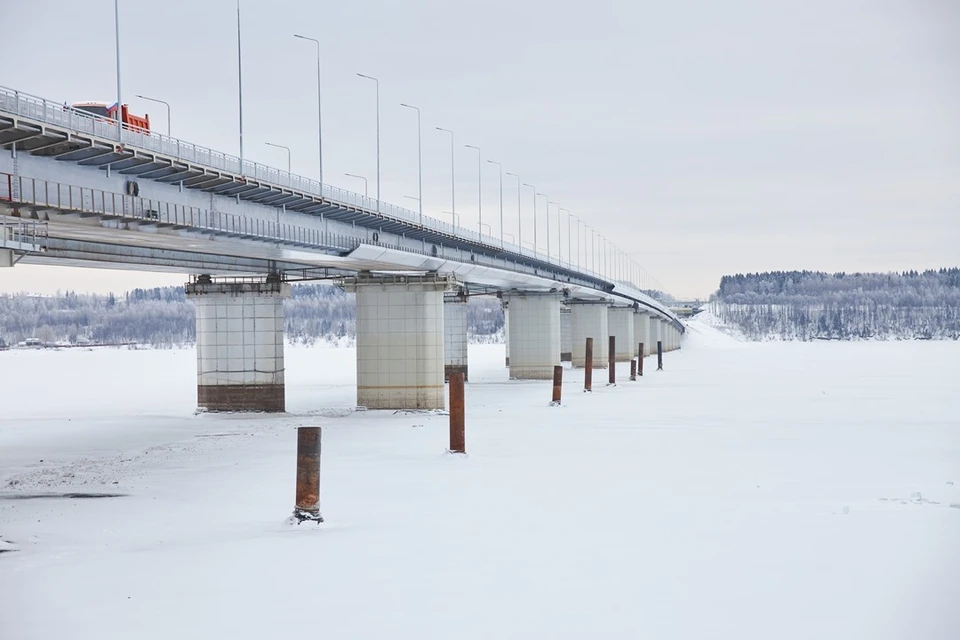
<point>569,254</point>
<point>519,219</point>
<point>500,167</point>
<point>479,188</point>
<point>280,146</point>
<point>534,217</point>
<point>453,189</point>
<point>419,160</point>
<point>353,175</point>
<point>547,198</point>
<point>377,83</point>
<point>240,84</point>
<point>319,105</point>
<point>116,28</point>
<point>163,102</point>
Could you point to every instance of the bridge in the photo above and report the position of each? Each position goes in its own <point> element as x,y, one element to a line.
<point>77,190</point>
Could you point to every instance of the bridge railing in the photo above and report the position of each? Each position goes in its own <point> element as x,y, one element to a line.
<point>81,122</point>
<point>54,113</point>
<point>66,198</point>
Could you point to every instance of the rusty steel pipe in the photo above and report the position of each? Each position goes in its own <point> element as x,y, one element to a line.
<point>588,366</point>
<point>557,382</point>
<point>659,355</point>
<point>640,362</point>
<point>307,506</point>
<point>633,369</point>
<point>457,425</point>
<point>612,361</point>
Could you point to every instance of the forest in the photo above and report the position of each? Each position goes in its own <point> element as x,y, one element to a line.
<point>164,317</point>
<point>812,305</point>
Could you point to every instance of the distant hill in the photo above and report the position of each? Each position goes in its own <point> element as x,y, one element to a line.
<point>810,305</point>
<point>165,317</point>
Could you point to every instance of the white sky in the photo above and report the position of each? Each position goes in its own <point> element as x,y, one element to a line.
<point>708,138</point>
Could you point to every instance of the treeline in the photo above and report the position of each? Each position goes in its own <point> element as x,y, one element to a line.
<point>810,305</point>
<point>164,317</point>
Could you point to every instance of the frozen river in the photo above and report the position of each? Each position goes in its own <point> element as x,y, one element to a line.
<point>777,490</point>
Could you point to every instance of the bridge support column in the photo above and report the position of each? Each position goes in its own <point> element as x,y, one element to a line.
<point>656,334</point>
<point>506,333</point>
<point>566,334</point>
<point>399,340</point>
<point>534,335</point>
<point>641,331</point>
<point>239,344</point>
<point>589,320</point>
<point>620,322</point>
<point>454,335</point>
<point>6,258</point>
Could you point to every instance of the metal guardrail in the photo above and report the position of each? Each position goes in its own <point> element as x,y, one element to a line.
<point>84,200</point>
<point>22,235</point>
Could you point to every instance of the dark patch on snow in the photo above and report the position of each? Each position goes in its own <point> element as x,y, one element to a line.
<point>68,496</point>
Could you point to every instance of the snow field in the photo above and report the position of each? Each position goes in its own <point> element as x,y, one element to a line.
<point>750,490</point>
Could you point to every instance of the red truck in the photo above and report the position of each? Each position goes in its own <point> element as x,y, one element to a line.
<point>109,111</point>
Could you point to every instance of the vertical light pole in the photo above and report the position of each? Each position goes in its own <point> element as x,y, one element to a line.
<point>419,160</point>
<point>519,219</point>
<point>593,250</point>
<point>280,146</point>
<point>353,175</point>
<point>547,198</point>
<point>534,217</point>
<point>116,28</point>
<point>499,166</point>
<point>479,188</point>
<point>559,252</point>
<point>453,188</point>
<point>377,83</point>
<point>319,105</point>
<point>569,254</point>
<point>240,84</point>
<point>578,241</point>
<point>163,102</point>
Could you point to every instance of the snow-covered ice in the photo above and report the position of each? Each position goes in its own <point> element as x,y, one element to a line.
<point>778,490</point>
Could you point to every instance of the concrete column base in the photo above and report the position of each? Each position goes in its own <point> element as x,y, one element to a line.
<point>240,363</point>
<point>242,397</point>
<point>589,320</point>
<point>620,323</point>
<point>640,332</point>
<point>566,334</point>
<point>506,333</point>
<point>534,335</point>
<point>400,340</point>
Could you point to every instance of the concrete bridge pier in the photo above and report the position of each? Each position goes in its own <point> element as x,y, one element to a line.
<point>641,330</point>
<point>620,322</point>
<point>455,334</point>
<point>566,334</point>
<point>239,343</point>
<point>399,340</point>
<point>655,329</point>
<point>534,334</point>
<point>506,332</point>
<point>589,320</point>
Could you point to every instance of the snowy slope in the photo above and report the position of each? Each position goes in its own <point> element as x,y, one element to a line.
<point>749,491</point>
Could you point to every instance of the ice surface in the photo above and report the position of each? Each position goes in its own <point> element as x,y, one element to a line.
<point>747,491</point>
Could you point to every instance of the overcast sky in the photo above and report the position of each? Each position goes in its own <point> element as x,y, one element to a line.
<point>705,137</point>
